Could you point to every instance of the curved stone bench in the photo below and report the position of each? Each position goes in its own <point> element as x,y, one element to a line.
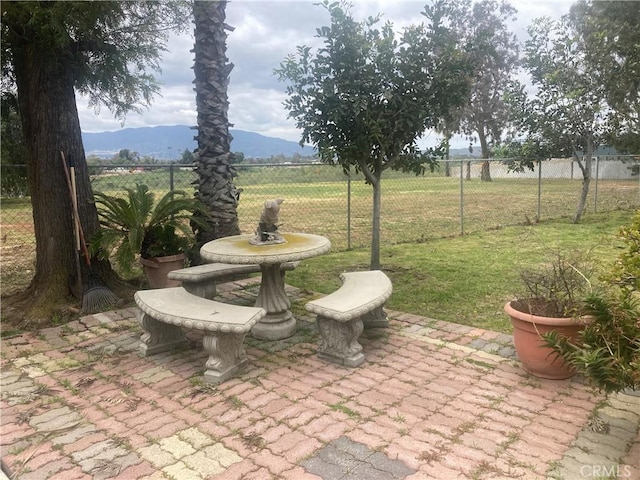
<point>340,315</point>
<point>165,312</point>
<point>201,279</point>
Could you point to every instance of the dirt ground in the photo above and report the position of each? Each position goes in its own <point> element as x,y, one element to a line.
<point>17,265</point>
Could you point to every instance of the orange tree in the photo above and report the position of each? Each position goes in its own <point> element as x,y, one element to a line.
<point>365,97</point>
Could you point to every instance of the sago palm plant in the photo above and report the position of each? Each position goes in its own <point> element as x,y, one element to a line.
<point>137,225</point>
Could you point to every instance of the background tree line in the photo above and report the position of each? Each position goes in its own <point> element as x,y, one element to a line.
<point>369,93</point>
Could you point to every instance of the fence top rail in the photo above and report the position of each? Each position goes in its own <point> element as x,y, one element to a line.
<point>622,158</point>
<point>192,165</point>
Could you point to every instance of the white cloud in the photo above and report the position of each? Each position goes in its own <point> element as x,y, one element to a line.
<point>175,106</point>
<point>260,110</point>
<point>265,32</point>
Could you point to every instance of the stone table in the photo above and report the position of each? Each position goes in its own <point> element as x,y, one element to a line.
<point>279,322</point>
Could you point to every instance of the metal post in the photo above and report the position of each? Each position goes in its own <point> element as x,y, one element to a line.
<point>171,180</point>
<point>539,189</point>
<point>461,197</point>
<point>349,210</point>
<point>595,188</point>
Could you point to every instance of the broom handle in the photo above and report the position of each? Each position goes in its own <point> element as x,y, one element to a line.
<point>74,207</point>
<point>70,175</point>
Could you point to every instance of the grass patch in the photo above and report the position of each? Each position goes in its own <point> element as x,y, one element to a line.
<point>341,407</point>
<point>435,272</point>
<point>468,279</point>
<point>414,209</point>
<point>480,363</point>
<point>234,402</point>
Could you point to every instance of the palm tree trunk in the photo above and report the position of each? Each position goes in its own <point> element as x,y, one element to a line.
<point>214,160</point>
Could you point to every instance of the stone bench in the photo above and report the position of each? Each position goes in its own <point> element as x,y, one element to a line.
<point>201,280</point>
<point>340,315</point>
<point>165,312</point>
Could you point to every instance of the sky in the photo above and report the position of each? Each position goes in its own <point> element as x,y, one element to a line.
<point>265,32</point>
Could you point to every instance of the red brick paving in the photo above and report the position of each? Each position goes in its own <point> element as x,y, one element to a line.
<point>419,402</point>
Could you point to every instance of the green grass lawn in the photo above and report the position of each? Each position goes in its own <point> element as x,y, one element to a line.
<point>319,199</point>
<point>435,272</point>
<point>468,279</point>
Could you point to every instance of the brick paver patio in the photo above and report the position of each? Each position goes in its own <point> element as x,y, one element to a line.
<point>433,400</point>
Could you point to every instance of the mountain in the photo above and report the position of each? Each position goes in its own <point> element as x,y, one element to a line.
<point>456,153</point>
<point>168,143</point>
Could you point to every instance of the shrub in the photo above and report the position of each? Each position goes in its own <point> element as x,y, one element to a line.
<point>607,351</point>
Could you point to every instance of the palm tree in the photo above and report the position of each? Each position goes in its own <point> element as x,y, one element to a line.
<point>213,156</point>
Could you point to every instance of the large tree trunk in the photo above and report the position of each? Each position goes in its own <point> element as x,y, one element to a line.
<point>485,172</point>
<point>50,124</point>
<point>213,155</point>
<point>447,165</point>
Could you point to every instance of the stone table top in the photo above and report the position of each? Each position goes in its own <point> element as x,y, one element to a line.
<point>237,249</point>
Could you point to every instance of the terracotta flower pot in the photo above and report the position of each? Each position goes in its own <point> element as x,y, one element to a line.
<point>157,269</point>
<point>537,358</point>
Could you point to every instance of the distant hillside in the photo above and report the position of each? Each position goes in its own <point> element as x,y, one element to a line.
<point>168,143</point>
<point>455,153</point>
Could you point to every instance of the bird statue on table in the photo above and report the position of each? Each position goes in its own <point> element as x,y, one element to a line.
<point>267,232</point>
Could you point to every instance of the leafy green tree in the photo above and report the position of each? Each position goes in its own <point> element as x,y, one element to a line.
<point>187,157</point>
<point>214,159</point>
<point>494,49</point>
<point>126,156</point>
<point>238,157</point>
<point>105,50</point>
<point>95,160</point>
<point>365,97</point>
<point>567,113</point>
<point>13,156</point>
<point>609,30</point>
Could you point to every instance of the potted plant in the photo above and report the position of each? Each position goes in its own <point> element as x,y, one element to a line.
<point>135,226</point>
<point>607,351</point>
<point>552,302</point>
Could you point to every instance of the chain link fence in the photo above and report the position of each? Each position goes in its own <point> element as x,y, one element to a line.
<point>321,199</point>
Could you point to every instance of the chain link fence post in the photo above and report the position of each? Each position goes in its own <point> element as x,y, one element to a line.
<point>171,181</point>
<point>595,187</point>
<point>461,197</point>
<point>538,207</point>
<point>349,210</point>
